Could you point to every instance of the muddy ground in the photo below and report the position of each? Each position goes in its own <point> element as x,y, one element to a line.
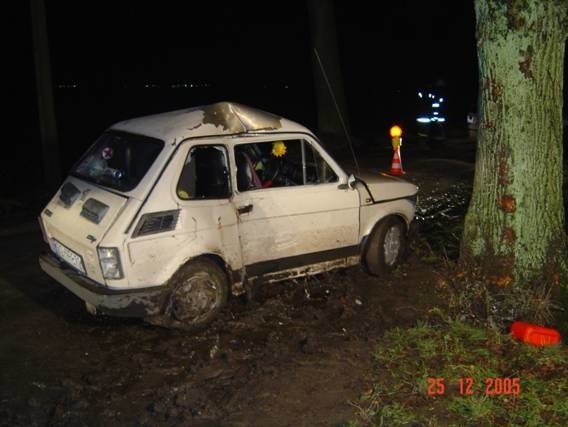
<point>299,355</point>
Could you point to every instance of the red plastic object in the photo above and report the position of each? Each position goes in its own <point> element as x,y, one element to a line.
<point>534,334</point>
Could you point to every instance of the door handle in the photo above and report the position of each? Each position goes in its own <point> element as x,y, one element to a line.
<point>244,209</point>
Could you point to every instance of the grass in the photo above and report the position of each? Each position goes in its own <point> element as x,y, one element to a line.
<point>471,346</point>
<point>407,358</point>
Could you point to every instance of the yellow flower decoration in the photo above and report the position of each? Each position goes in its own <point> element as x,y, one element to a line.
<point>278,149</point>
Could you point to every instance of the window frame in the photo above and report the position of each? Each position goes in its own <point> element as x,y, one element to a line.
<point>303,148</point>
<point>304,139</point>
<point>135,136</point>
<point>229,172</point>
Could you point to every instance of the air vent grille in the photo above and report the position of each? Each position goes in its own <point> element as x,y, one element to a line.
<point>69,193</point>
<point>94,210</point>
<point>156,222</point>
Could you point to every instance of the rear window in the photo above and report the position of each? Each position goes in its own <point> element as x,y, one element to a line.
<point>118,160</point>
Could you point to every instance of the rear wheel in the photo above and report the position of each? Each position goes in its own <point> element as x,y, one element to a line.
<point>199,291</point>
<point>386,246</point>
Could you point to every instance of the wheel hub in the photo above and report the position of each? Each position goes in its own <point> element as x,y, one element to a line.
<point>391,245</point>
<point>194,298</point>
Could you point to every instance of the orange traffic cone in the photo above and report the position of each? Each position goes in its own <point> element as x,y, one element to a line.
<point>396,165</point>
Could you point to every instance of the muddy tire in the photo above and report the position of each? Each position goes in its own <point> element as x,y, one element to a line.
<point>386,246</point>
<point>199,291</point>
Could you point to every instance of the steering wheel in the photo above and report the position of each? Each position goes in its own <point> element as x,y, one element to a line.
<point>282,174</point>
<point>331,178</point>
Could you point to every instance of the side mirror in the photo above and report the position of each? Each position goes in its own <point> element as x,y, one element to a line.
<point>351,181</point>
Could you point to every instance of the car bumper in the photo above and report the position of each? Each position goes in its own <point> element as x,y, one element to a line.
<point>141,302</point>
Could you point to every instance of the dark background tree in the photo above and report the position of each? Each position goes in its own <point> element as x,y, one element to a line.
<point>514,228</point>
<point>46,107</point>
<point>328,82</point>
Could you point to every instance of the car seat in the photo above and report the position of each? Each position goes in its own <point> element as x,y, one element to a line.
<point>247,178</point>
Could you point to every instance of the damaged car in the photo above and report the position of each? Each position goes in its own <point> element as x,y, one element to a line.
<point>166,216</point>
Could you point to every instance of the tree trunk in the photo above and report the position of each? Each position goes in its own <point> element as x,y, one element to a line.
<point>324,41</point>
<point>514,229</point>
<point>46,108</point>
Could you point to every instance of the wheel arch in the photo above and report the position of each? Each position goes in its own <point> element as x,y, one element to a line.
<point>169,303</point>
<point>216,259</point>
<point>364,244</point>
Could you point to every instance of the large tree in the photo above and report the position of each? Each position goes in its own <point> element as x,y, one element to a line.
<point>514,229</point>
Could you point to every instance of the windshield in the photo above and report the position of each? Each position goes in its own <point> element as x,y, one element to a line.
<point>118,160</point>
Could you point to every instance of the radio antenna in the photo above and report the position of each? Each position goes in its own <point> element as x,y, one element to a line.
<point>338,110</point>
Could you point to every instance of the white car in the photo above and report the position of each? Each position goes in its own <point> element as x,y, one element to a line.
<point>166,215</point>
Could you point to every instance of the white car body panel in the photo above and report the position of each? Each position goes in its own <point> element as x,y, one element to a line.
<point>292,221</point>
<point>289,221</point>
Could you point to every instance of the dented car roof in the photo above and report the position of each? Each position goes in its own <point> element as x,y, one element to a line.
<point>222,118</point>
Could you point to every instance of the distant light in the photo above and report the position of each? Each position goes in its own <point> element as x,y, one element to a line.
<point>423,120</point>
<point>435,113</point>
<point>67,85</point>
<point>441,119</point>
<point>395,131</point>
<point>420,94</point>
<point>435,105</point>
<point>430,95</point>
<point>441,99</point>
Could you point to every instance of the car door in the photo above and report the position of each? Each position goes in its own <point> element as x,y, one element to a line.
<point>293,206</point>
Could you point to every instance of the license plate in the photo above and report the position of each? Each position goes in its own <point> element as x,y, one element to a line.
<point>67,255</point>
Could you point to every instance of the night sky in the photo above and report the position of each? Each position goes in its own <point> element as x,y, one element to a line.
<point>403,44</point>
<point>204,39</point>
<point>255,53</point>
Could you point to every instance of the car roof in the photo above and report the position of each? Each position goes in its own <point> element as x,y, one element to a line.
<point>222,118</point>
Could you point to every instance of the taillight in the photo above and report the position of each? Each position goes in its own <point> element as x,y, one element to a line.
<point>110,263</point>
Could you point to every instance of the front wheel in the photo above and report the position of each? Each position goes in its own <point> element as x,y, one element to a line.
<point>199,291</point>
<point>386,246</point>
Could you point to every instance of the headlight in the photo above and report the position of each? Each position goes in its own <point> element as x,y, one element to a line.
<point>110,263</point>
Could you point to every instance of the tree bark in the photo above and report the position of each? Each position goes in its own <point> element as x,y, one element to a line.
<point>46,108</point>
<point>514,229</point>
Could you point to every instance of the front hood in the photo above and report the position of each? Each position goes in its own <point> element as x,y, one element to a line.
<point>385,187</point>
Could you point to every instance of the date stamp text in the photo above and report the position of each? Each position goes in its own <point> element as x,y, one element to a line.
<point>467,386</point>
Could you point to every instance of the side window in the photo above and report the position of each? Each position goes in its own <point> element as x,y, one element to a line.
<point>269,164</point>
<point>317,169</point>
<point>205,174</point>
<point>280,164</point>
